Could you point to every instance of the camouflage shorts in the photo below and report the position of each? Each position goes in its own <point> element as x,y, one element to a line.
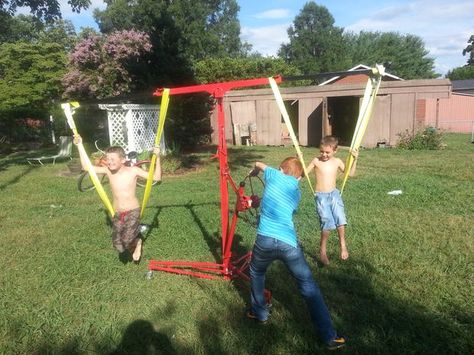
<point>125,232</point>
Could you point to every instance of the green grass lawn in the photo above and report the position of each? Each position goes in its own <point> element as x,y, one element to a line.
<point>407,288</point>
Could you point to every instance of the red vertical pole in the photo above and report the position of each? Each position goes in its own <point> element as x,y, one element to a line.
<point>224,172</point>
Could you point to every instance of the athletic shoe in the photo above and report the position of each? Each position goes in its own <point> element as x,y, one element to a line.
<point>336,343</point>
<point>249,314</point>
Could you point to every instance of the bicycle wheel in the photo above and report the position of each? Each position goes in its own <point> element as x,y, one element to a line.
<point>84,182</point>
<point>145,165</point>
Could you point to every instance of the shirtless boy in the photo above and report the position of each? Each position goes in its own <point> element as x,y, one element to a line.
<point>123,183</point>
<point>329,205</point>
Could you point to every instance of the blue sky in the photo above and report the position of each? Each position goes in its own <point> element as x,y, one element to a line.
<point>444,26</point>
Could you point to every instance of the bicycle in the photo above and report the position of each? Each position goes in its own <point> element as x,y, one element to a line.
<point>84,183</point>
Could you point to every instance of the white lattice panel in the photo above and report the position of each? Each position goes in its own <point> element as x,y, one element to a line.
<point>133,127</point>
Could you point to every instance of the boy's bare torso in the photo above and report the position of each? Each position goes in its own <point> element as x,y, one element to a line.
<point>326,173</point>
<point>123,183</point>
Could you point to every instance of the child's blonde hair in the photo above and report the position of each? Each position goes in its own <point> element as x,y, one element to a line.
<point>117,150</point>
<point>330,141</point>
<point>292,166</point>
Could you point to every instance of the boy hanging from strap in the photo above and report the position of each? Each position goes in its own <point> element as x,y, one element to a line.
<point>123,181</point>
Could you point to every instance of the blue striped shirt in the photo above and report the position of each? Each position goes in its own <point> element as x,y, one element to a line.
<point>280,200</point>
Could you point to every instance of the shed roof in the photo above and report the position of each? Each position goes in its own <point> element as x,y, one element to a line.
<point>359,67</point>
<point>460,85</point>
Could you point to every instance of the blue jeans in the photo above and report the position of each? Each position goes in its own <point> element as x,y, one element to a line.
<point>265,251</point>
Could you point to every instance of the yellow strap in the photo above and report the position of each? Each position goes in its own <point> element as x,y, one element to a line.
<point>286,118</point>
<point>149,182</point>
<point>95,180</point>
<point>365,113</point>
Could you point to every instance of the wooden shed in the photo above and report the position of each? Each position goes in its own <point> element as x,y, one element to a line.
<point>253,117</point>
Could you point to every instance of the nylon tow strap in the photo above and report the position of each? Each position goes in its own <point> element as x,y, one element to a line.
<point>286,118</point>
<point>365,112</point>
<point>68,109</point>
<point>149,182</point>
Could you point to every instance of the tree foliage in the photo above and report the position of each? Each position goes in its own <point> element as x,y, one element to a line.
<point>467,71</point>
<point>98,65</point>
<point>316,45</point>
<point>47,10</point>
<point>461,73</point>
<point>181,32</point>
<point>225,69</point>
<point>407,54</point>
<point>31,73</point>
<point>469,49</point>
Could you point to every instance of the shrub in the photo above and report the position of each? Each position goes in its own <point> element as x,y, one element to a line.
<point>429,138</point>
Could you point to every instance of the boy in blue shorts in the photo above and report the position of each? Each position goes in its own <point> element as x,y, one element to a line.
<point>329,205</point>
<point>277,240</point>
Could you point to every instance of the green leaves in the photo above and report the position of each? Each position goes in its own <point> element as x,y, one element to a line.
<point>30,73</point>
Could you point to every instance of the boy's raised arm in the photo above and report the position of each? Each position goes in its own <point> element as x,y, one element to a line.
<point>78,140</point>
<point>157,173</point>
<point>259,166</point>
<point>355,154</point>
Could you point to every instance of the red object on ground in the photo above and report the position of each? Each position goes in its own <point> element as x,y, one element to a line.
<point>230,267</point>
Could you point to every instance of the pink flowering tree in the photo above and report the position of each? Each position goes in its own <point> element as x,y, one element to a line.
<point>99,64</point>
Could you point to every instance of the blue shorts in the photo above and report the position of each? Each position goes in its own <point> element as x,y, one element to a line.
<point>330,209</point>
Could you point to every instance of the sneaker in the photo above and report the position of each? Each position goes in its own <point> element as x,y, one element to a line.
<point>249,314</point>
<point>336,343</point>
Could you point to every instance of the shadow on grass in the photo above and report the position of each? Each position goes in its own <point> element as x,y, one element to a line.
<point>28,169</point>
<point>141,338</point>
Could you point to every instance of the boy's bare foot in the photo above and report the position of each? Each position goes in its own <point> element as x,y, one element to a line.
<point>324,259</point>
<point>138,251</point>
<point>344,253</point>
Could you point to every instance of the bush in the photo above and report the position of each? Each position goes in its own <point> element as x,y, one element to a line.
<point>429,138</point>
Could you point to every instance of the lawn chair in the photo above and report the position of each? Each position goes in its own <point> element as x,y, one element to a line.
<point>65,151</point>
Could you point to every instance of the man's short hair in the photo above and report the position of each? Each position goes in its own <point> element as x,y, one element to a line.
<point>292,166</point>
<point>330,141</point>
<point>117,150</point>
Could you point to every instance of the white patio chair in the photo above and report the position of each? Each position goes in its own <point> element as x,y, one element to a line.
<point>65,152</point>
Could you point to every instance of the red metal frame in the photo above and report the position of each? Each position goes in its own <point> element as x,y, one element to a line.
<point>229,268</point>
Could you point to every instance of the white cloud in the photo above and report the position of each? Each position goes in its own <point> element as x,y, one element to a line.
<point>444,27</point>
<point>266,40</point>
<point>273,14</point>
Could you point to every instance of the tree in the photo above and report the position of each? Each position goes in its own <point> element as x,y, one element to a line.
<point>316,45</point>
<point>467,71</point>
<point>225,69</point>
<point>181,32</point>
<point>31,74</point>
<point>407,54</point>
<point>98,65</point>
<point>47,10</point>
<point>461,73</point>
<point>470,49</point>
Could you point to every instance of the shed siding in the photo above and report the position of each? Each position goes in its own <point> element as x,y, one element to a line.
<point>402,115</point>
<point>378,129</point>
<point>310,121</point>
<point>456,114</point>
<point>269,127</point>
<point>395,111</point>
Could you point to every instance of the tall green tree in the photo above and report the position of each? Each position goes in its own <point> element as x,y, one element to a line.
<point>181,32</point>
<point>467,71</point>
<point>316,45</point>
<point>48,10</point>
<point>407,53</point>
<point>31,74</point>
<point>469,49</point>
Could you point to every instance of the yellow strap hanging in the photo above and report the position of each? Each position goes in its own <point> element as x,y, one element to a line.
<point>68,109</point>
<point>149,182</point>
<point>365,113</point>
<point>286,118</point>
